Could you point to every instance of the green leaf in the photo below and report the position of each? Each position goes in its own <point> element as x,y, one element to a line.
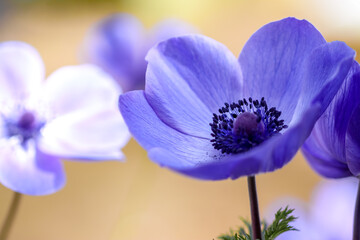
<point>243,232</point>
<point>281,224</point>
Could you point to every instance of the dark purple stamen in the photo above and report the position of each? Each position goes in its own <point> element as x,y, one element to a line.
<point>243,125</point>
<point>25,127</point>
<point>26,121</point>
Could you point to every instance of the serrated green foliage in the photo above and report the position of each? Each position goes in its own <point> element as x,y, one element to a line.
<point>243,232</point>
<point>240,235</point>
<point>280,225</point>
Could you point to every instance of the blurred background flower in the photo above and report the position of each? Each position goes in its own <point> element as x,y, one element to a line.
<point>328,215</point>
<point>72,114</point>
<point>139,200</point>
<point>119,43</point>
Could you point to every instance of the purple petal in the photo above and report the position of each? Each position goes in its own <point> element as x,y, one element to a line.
<point>93,134</point>
<point>29,171</point>
<point>117,44</point>
<point>21,71</point>
<point>352,145</point>
<point>334,122</point>
<point>204,165</point>
<point>74,88</point>
<point>273,62</point>
<point>352,139</point>
<point>196,157</point>
<point>170,148</point>
<point>189,78</point>
<point>325,70</point>
<point>151,132</point>
<point>268,156</point>
<point>325,148</point>
<point>321,161</point>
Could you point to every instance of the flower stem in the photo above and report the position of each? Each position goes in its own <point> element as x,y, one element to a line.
<point>6,227</point>
<point>254,206</point>
<point>356,226</point>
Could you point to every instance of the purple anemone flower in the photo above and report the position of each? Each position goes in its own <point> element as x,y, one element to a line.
<point>333,148</point>
<point>119,43</point>
<point>208,115</point>
<point>71,115</point>
<point>327,216</point>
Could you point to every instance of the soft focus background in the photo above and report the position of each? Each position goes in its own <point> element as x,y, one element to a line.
<point>137,199</point>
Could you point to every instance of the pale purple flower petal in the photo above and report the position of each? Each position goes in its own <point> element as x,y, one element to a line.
<point>74,88</point>
<point>87,124</point>
<point>93,134</point>
<point>21,72</point>
<point>29,171</point>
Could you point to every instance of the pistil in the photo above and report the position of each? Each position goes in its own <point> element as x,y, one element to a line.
<point>242,125</point>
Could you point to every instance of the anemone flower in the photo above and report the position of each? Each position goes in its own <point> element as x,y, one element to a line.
<point>333,148</point>
<point>207,115</point>
<point>119,43</point>
<point>327,216</point>
<point>70,115</point>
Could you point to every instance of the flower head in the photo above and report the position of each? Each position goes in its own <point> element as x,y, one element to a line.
<point>119,43</point>
<point>68,116</point>
<point>206,114</point>
<point>333,148</point>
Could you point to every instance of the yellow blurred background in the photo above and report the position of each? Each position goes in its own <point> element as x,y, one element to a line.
<point>138,199</point>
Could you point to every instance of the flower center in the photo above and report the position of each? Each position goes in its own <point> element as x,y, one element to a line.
<point>248,123</point>
<point>25,126</point>
<point>243,125</point>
